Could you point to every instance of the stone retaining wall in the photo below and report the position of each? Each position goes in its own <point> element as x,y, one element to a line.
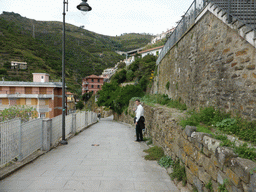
<point>210,65</point>
<point>202,155</point>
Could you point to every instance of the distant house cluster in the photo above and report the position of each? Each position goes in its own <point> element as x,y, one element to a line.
<point>162,35</point>
<point>131,58</point>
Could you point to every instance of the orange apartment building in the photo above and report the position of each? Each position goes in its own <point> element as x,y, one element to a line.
<point>44,96</point>
<point>92,83</point>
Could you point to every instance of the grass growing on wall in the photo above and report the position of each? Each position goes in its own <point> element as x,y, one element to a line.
<point>179,172</point>
<point>162,100</point>
<point>217,123</point>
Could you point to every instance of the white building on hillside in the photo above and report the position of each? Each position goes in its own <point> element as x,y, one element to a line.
<point>153,51</point>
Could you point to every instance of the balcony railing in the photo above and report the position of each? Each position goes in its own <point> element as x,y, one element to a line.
<point>24,92</point>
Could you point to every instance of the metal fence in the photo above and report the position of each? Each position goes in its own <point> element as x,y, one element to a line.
<point>56,129</point>
<point>19,140</point>
<point>9,140</point>
<point>242,10</point>
<point>81,120</point>
<point>30,138</point>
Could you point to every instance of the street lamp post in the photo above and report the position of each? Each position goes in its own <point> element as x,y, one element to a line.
<point>83,6</point>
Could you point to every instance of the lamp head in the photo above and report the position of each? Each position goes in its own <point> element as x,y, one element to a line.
<point>84,6</point>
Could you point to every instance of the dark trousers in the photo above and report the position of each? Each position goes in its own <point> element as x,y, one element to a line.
<point>139,132</point>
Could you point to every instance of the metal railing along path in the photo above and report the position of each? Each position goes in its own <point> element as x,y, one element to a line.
<point>241,10</point>
<point>9,140</point>
<point>19,140</point>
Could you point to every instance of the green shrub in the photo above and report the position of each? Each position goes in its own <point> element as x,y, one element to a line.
<point>177,104</point>
<point>117,98</point>
<point>143,82</point>
<point>243,151</point>
<point>23,112</point>
<point>222,187</point>
<point>165,161</point>
<point>148,140</point>
<point>207,116</point>
<point>163,100</point>
<point>130,75</point>
<point>179,172</point>
<point>121,65</point>
<point>119,77</point>
<point>209,186</point>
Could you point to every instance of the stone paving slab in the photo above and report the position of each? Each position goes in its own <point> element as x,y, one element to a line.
<point>117,164</point>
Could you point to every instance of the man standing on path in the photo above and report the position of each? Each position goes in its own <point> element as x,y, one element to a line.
<point>139,120</point>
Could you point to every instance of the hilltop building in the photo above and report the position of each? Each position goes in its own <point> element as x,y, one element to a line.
<point>19,65</point>
<point>44,96</point>
<point>92,83</point>
<point>153,51</point>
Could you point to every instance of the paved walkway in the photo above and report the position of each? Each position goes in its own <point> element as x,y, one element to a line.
<point>117,164</point>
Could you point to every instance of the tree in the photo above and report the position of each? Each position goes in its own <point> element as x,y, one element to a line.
<point>129,75</point>
<point>116,97</point>
<point>87,96</point>
<point>107,94</point>
<point>124,95</point>
<point>120,76</point>
<point>80,105</point>
<point>121,65</point>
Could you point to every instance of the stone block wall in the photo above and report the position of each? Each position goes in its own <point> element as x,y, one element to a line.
<point>210,65</point>
<point>204,159</point>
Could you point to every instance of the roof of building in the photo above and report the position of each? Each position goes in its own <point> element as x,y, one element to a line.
<point>152,49</point>
<point>93,76</point>
<point>41,73</point>
<point>30,84</point>
<point>69,93</point>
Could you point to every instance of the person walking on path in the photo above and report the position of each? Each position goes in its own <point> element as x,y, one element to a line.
<point>139,120</point>
<point>99,115</point>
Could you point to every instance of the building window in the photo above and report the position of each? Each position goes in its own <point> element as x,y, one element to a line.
<point>92,80</point>
<point>92,86</point>
<point>98,80</point>
<point>98,86</point>
<point>28,101</point>
<point>0,101</point>
<point>13,102</point>
<point>42,77</point>
<point>42,115</point>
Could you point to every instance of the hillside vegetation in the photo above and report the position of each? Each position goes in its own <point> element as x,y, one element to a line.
<point>39,43</point>
<point>117,97</point>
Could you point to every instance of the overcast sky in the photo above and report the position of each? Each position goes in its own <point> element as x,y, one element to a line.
<point>108,17</point>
